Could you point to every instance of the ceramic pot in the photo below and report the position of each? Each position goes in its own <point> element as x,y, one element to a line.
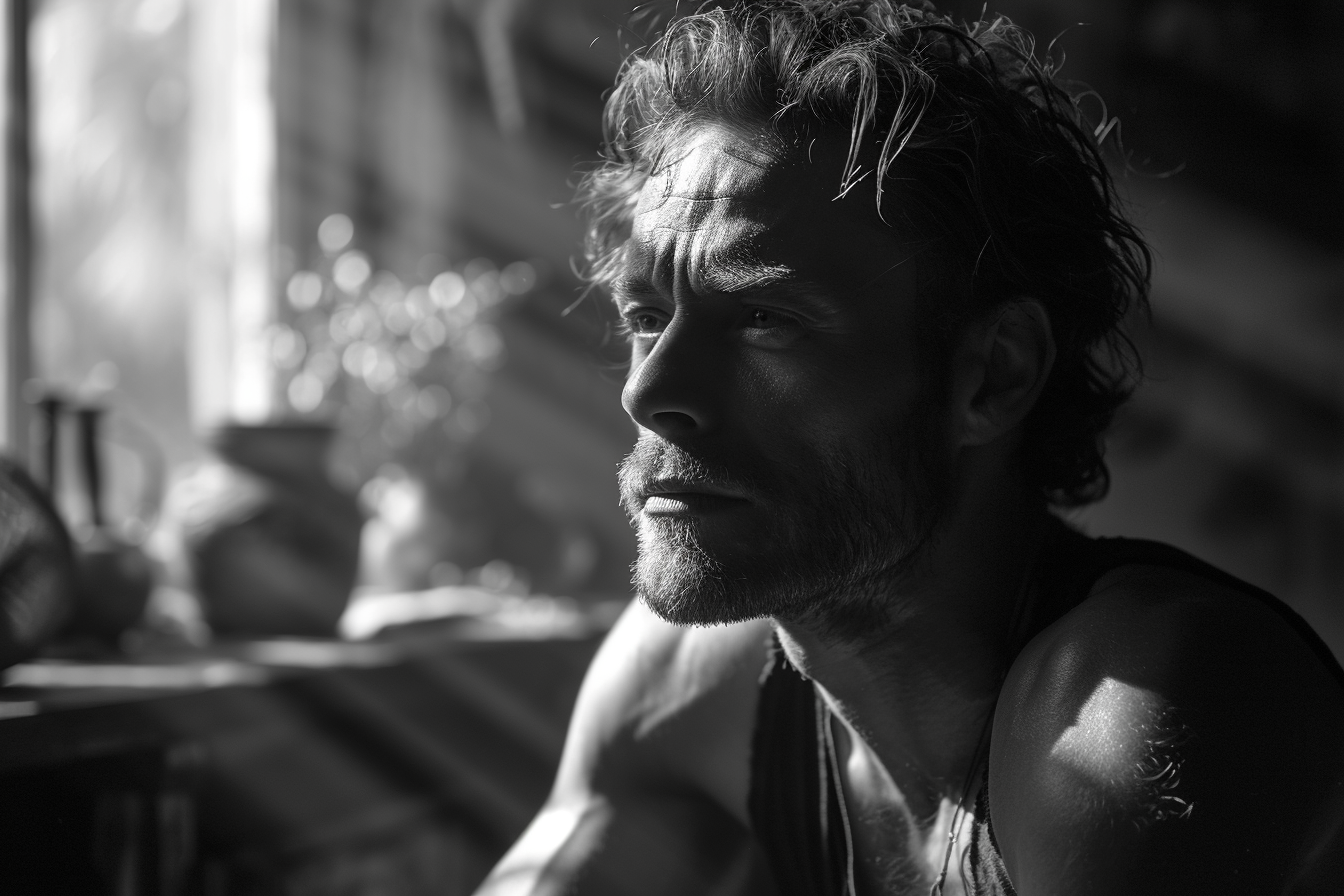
<point>272,544</point>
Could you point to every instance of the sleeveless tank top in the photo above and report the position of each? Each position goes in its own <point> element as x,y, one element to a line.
<point>793,800</point>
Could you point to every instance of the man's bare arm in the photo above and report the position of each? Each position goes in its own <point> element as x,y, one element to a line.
<point>1170,736</point>
<point>651,792</point>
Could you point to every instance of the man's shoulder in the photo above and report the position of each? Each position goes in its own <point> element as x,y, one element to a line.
<point>1184,710</point>
<point>1177,633</point>
<point>654,671</point>
<point>665,706</point>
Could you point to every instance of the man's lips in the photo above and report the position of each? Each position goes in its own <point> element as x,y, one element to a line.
<point>678,497</point>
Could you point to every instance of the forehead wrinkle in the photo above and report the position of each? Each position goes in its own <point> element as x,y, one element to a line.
<point>714,166</point>
<point>726,264</point>
<point>726,215</point>
<point>705,246</point>
<point>759,150</point>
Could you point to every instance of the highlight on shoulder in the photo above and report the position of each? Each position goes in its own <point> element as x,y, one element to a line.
<point>1166,714</point>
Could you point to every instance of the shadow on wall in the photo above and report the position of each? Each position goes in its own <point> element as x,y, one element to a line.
<point>1233,162</point>
<point>453,129</point>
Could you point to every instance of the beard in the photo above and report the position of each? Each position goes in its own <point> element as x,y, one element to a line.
<point>831,533</point>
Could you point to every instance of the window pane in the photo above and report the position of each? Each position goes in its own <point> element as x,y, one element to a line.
<point>110,101</point>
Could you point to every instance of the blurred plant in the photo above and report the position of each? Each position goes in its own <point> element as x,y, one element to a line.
<point>394,363</point>
<point>403,369</point>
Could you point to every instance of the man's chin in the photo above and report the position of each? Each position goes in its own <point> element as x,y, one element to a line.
<point>700,608</point>
<point>685,586</point>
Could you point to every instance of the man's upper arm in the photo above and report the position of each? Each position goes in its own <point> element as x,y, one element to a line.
<point>1169,736</point>
<point>653,771</point>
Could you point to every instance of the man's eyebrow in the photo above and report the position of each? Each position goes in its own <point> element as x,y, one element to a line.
<point>728,280</point>
<point>722,279</point>
<point>734,275</point>
<point>632,289</point>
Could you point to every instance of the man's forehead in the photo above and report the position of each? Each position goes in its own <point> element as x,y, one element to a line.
<point>700,214</point>
<point>712,167</point>
<point>731,207</point>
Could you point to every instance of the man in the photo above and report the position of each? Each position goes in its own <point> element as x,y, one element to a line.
<point>872,267</point>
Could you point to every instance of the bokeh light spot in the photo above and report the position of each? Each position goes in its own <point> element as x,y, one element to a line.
<point>335,233</point>
<point>306,392</point>
<point>287,347</point>
<point>324,366</point>
<point>447,289</point>
<point>353,358</point>
<point>304,290</point>
<point>351,271</point>
<point>429,334</point>
<point>380,370</point>
<point>397,318</point>
<point>518,278</point>
<point>386,288</point>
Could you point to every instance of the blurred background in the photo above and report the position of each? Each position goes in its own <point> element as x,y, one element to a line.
<point>290,254</point>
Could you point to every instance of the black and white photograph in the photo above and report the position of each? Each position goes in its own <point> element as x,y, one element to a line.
<point>683,448</point>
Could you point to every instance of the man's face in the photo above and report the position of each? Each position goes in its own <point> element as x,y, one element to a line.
<point>793,449</point>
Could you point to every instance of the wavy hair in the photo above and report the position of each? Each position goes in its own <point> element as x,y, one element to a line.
<point>997,167</point>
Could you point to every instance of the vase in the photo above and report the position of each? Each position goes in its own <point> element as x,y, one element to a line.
<point>271,542</point>
<point>114,575</point>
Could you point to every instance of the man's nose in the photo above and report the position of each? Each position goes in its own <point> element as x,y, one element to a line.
<point>672,391</point>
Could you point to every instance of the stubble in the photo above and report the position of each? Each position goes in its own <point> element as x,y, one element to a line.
<point>835,532</point>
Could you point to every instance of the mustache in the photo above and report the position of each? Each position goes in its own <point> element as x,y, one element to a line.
<point>653,459</point>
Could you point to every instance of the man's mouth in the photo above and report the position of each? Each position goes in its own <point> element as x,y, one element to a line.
<point>675,497</point>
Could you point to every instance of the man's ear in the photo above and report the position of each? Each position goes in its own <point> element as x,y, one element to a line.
<point>1001,367</point>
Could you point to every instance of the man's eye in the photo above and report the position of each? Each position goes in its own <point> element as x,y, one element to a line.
<point>644,322</point>
<point>764,319</point>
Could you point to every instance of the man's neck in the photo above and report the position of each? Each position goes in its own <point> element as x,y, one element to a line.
<point>919,685</point>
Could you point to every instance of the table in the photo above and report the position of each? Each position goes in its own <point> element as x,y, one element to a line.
<point>402,765</point>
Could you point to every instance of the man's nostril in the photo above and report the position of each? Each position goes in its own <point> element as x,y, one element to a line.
<point>672,422</point>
